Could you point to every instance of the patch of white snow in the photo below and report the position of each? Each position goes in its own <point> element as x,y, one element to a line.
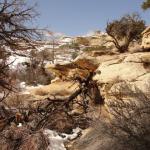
<point>57,140</point>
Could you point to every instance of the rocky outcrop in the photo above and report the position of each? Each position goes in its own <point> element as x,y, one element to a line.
<point>133,69</point>
<point>146,38</point>
<point>113,73</point>
<point>93,139</point>
<point>80,68</point>
<point>124,76</point>
<point>116,74</point>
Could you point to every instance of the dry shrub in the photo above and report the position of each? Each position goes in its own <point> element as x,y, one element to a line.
<point>129,124</point>
<point>15,138</point>
<point>16,100</point>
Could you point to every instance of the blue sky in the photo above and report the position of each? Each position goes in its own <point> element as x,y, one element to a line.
<point>78,17</point>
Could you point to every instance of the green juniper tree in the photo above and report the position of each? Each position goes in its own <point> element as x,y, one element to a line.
<point>125,30</point>
<point>146,4</point>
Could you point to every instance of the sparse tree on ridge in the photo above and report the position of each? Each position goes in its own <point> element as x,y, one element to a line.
<point>146,4</point>
<point>125,30</point>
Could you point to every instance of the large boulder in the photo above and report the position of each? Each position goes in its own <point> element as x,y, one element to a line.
<point>132,69</point>
<point>146,38</point>
<point>80,68</point>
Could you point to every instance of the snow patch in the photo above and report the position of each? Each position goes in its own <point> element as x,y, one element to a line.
<point>19,125</point>
<point>17,60</point>
<point>22,85</point>
<point>26,88</point>
<point>57,140</point>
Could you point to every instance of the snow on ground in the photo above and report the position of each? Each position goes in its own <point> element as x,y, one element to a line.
<point>93,33</point>
<point>22,85</point>
<point>60,57</point>
<point>15,60</point>
<point>65,58</point>
<point>19,125</point>
<point>65,40</point>
<point>1,95</point>
<point>26,88</point>
<point>57,140</point>
<point>33,87</point>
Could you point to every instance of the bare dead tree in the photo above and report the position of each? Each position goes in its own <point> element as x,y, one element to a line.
<point>14,17</point>
<point>55,105</point>
<point>15,34</point>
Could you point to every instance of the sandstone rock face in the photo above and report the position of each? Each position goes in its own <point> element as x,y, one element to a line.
<point>70,71</point>
<point>92,139</point>
<point>119,72</point>
<point>146,38</point>
<point>124,75</point>
<point>98,57</point>
<point>132,69</point>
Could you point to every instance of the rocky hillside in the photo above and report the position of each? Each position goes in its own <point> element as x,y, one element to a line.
<point>124,77</point>
<point>85,92</point>
<point>119,76</point>
<point>83,95</point>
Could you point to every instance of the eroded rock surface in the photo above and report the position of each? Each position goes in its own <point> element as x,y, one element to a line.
<point>133,69</point>
<point>121,76</point>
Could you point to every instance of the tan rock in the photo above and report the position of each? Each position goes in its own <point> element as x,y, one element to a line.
<point>146,38</point>
<point>131,69</point>
<point>81,67</point>
<point>119,72</point>
<point>138,58</point>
